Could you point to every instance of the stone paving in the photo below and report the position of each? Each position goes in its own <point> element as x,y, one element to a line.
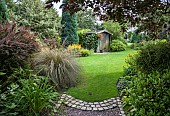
<point>91,106</point>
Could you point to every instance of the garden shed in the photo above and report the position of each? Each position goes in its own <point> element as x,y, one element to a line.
<point>104,40</point>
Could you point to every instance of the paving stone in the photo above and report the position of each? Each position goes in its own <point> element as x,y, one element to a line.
<point>83,108</point>
<point>119,106</point>
<point>103,105</point>
<point>96,103</point>
<point>105,101</point>
<point>82,104</point>
<point>101,102</point>
<point>119,103</point>
<point>78,107</point>
<point>114,101</point>
<point>88,108</point>
<point>80,101</point>
<point>106,108</point>
<point>87,105</point>
<point>95,109</point>
<point>100,109</point>
<point>69,104</point>
<point>93,106</point>
<point>98,106</point>
<point>107,104</point>
<point>90,103</point>
<point>122,112</point>
<point>73,106</point>
<point>77,103</point>
<point>123,115</point>
<point>73,102</point>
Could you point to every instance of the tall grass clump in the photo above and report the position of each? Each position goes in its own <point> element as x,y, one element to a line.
<point>59,65</point>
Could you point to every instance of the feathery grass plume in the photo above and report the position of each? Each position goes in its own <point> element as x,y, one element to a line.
<point>59,65</point>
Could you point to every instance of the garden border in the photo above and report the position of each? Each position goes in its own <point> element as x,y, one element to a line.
<point>91,106</point>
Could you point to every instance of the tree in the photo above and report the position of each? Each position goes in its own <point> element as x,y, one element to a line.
<point>3,11</point>
<point>134,11</point>
<point>32,13</point>
<point>69,31</point>
<point>86,20</point>
<point>115,29</point>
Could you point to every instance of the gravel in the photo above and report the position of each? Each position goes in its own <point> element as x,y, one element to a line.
<point>67,111</point>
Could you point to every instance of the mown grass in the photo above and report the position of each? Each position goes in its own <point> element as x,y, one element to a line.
<point>100,73</point>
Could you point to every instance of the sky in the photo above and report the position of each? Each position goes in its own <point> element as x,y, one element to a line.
<point>56,6</point>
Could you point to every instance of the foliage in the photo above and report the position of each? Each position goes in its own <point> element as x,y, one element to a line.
<point>58,65</point>
<point>30,97</point>
<point>3,11</point>
<point>16,45</point>
<point>84,52</point>
<point>148,13</point>
<point>123,83</point>
<point>76,47</point>
<point>130,68</point>
<point>148,94</point>
<point>115,29</point>
<point>154,57</point>
<point>69,30</point>
<point>89,42</point>
<point>117,45</point>
<point>86,20</point>
<point>33,14</point>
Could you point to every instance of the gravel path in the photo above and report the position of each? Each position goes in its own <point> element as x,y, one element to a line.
<point>67,111</point>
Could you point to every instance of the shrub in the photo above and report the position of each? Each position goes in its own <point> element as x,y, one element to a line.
<point>89,42</point>
<point>149,95</point>
<point>154,57</point>
<point>16,44</point>
<point>84,52</point>
<point>117,45</point>
<point>130,68</point>
<point>59,65</point>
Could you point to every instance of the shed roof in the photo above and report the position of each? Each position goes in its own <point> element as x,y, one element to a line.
<point>98,31</point>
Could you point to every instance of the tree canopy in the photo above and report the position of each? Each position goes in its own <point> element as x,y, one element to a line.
<point>69,27</point>
<point>118,10</point>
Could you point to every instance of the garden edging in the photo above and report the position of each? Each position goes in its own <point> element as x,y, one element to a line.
<point>91,106</point>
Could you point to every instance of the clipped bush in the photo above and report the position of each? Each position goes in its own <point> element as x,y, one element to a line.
<point>149,95</point>
<point>117,45</point>
<point>89,42</point>
<point>154,57</point>
<point>84,52</point>
<point>59,65</point>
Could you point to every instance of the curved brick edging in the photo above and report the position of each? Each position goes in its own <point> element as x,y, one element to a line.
<point>91,106</point>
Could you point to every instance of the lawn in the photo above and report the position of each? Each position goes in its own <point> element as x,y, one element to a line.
<point>100,73</point>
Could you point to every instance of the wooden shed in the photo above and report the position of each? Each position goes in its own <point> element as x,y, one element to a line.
<point>104,40</point>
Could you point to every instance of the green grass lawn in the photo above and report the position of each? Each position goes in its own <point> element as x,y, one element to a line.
<point>100,73</point>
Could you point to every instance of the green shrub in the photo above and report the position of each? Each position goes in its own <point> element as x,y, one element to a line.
<point>149,95</point>
<point>89,42</point>
<point>130,68</point>
<point>117,45</point>
<point>154,57</point>
<point>84,52</point>
<point>59,65</point>
<point>123,83</point>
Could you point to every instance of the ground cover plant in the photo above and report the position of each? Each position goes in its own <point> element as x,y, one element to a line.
<point>100,75</point>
